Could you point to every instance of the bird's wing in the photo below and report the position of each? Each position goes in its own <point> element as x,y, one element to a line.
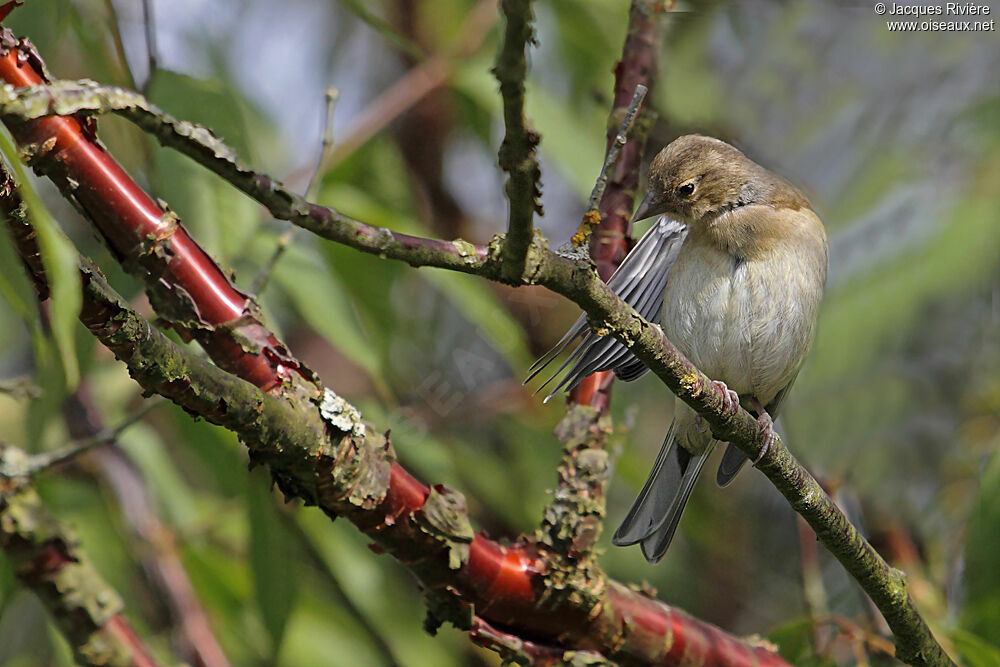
<point>639,281</point>
<point>734,458</point>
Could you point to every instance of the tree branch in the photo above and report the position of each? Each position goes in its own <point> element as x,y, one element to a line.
<point>517,152</point>
<point>193,637</point>
<point>326,147</point>
<point>572,521</point>
<point>32,465</point>
<point>593,216</point>
<point>404,495</point>
<point>49,560</point>
<point>611,239</point>
<point>327,456</point>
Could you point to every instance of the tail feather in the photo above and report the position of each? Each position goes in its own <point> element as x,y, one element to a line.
<point>732,462</point>
<point>654,515</point>
<point>656,544</point>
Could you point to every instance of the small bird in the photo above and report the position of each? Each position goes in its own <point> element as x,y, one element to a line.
<point>734,274</point>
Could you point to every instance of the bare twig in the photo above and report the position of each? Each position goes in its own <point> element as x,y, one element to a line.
<point>610,239</point>
<point>592,217</point>
<point>149,25</point>
<point>37,463</point>
<point>326,147</point>
<point>517,152</point>
<point>325,151</point>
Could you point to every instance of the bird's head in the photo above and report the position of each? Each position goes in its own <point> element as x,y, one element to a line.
<point>695,179</point>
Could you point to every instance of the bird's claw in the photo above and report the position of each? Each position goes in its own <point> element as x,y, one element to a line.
<point>767,424</point>
<point>730,399</point>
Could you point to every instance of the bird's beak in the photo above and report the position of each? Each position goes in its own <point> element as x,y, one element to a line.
<point>647,208</point>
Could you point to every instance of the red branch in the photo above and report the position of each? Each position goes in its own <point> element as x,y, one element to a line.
<point>49,561</point>
<point>506,584</point>
<point>163,561</point>
<point>6,8</point>
<point>611,239</point>
<point>135,225</point>
<point>119,627</point>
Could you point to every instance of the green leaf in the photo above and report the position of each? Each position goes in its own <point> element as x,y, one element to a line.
<point>146,449</point>
<point>321,300</point>
<point>470,295</point>
<point>15,288</point>
<point>384,28</point>
<point>975,651</point>
<point>981,614</point>
<point>274,558</point>
<point>795,643</point>
<point>61,262</point>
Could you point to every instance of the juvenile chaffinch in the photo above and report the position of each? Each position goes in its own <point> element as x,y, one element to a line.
<point>734,276</point>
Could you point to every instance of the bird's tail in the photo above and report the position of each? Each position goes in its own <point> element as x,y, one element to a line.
<point>654,516</point>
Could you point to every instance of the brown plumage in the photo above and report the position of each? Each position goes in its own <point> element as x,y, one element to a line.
<point>740,301</point>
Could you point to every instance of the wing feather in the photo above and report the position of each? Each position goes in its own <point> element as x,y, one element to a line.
<point>639,281</point>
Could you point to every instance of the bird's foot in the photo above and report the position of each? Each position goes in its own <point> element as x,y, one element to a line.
<point>767,425</point>
<point>730,399</point>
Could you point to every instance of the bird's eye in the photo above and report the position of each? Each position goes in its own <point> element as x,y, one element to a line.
<point>685,190</point>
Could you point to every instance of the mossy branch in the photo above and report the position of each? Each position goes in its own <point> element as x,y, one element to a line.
<point>49,560</point>
<point>517,152</point>
<point>570,277</point>
<point>323,453</point>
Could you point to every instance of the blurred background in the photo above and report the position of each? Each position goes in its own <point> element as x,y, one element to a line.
<point>895,136</point>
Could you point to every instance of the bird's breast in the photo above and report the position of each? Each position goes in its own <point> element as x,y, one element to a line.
<point>747,322</point>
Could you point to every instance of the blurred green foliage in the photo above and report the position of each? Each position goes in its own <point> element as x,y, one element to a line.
<point>895,137</point>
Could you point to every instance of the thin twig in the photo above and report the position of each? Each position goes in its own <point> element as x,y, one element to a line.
<point>20,388</point>
<point>592,217</point>
<point>37,463</point>
<point>326,148</point>
<point>116,38</point>
<point>609,233</point>
<point>616,148</point>
<point>325,151</point>
<point>149,24</point>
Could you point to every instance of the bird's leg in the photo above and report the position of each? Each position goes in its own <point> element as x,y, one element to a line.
<point>730,399</point>
<point>766,423</point>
